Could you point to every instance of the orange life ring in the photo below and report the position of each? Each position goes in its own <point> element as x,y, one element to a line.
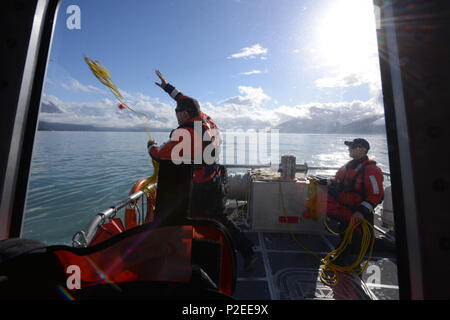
<point>131,210</point>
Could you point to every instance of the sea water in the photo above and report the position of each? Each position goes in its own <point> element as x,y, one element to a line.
<point>75,175</point>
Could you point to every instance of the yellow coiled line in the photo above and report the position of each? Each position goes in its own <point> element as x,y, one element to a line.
<point>328,270</point>
<point>103,75</point>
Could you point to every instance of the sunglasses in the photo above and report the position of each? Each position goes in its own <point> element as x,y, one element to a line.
<point>178,110</point>
<point>355,146</point>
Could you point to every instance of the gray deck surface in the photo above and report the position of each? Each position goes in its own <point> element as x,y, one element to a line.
<point>284,271</point>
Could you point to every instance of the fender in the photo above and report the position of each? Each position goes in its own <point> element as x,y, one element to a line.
<point>131,220</point>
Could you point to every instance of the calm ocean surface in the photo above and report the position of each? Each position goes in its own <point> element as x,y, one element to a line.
<point>75,175</point>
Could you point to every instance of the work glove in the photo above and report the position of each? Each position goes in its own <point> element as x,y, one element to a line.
<point>150,144</point>
<point>368,214</point>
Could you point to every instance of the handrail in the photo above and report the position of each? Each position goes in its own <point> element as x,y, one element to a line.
<point>299,167</point>
<point>82,238</point>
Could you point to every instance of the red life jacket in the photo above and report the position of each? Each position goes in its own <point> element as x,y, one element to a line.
<point>210,135</point>
<point>203,171</point>
<point>363,183</point>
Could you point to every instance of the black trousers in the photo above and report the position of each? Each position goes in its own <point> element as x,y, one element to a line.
<point>208,200</point>
<point>349,255</point>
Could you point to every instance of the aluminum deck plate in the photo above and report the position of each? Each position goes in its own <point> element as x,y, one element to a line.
<point>284,271</point>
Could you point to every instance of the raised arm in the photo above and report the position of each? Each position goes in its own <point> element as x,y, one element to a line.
<point>163,81</point>
<point>167,87</point>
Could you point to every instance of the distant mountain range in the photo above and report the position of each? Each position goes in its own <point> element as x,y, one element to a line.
<point>291,126</point>
<point>50,126</point>
<point>299,125</point>
<point>320,121</point>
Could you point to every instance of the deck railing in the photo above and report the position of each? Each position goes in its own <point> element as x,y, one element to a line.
<point>82,238</point>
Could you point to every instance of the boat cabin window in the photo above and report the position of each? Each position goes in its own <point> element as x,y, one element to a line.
<point>290,86</point>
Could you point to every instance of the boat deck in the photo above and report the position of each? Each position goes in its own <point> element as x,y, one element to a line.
<point>284,271</point>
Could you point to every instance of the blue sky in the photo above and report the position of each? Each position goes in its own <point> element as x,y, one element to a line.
<point>249,62</point>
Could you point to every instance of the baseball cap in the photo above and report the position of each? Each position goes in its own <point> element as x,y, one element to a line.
<point>358,141</point>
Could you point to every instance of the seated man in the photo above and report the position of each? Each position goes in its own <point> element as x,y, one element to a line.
<point>199,142</point>
<point>354,192</point>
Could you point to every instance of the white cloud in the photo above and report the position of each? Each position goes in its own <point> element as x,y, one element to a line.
<point>354,76</point>
<point>342,80</point>
<point>251,72</point>
<point>250,52</point>
<point>250,109</point>
<point>239,113</point>
<point>75,85</point>
<point>351,75</point>
<point>105,112</point>
<point>250,96</point>
<point>256,95</point>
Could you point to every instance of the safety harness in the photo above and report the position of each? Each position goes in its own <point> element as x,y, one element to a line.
<point>349,186</point>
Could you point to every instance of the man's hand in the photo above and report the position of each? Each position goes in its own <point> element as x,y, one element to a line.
<point>357,217</point>
<point>163,81</point>
<point>150,144</point>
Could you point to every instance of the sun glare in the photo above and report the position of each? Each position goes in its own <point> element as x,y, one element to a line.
<point>346,34</point>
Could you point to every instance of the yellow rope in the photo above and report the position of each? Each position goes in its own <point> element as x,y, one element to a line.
<point>329,229</point>
<point>289,227</point>
<point>329,270</point>
<point>312,198</point>
<point>239,211</point>
<point>103,75</point>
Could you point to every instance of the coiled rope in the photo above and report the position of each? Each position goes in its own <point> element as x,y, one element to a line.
<point>103,75</point>
<point>328,270</point>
